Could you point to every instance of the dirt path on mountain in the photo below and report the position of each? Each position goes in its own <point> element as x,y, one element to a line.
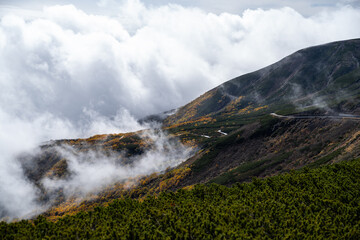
<point>340,116</point>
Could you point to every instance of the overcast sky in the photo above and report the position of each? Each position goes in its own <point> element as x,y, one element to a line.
<point>93,67</point>
<point>305,7</point>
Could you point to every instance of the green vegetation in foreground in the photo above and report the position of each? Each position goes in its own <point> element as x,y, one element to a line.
<point>321,203</point>
<point>246,170</point>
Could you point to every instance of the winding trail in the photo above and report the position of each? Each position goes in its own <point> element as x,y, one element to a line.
<point>340,116</point>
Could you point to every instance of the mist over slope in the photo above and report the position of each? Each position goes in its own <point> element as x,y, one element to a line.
<point>68,74</point>
<point>232,129</point>
<point>307,203</point>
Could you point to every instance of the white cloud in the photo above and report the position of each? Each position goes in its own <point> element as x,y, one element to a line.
<point>105,169</point>
<point>67,73</point>
<point>105,3</point>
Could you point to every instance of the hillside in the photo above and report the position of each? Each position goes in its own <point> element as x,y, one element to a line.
<point>321,76</point>
<point>322,203</point>
<point>231,131</point>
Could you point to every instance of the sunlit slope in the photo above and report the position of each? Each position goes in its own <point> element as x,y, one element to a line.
<point>315,76</point>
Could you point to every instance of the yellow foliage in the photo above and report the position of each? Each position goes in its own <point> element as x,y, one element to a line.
<point>201,120</point>
<point>174,179</point>
<point>260,108</point>
<point>190,187</point>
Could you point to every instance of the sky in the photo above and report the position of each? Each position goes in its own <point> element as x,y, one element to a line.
<point>109,7</point>
<point>77,68</point>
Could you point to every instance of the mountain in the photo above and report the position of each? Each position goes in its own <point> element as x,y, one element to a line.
<point>328,73</point>
<point>322,80</point>
<point>299,112</point>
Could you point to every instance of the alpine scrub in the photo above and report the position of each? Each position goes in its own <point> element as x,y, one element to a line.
<point>320,203</point>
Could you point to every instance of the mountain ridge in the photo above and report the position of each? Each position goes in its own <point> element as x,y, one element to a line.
<point>260,88</point>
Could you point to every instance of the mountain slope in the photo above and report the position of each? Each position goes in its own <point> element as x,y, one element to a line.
<point>306,78</point>
<point>231,126</point>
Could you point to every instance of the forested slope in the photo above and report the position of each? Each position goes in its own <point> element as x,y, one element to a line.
<point>320,203</point>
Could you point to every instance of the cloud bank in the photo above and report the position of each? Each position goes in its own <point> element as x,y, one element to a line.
<point>67,73</point>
